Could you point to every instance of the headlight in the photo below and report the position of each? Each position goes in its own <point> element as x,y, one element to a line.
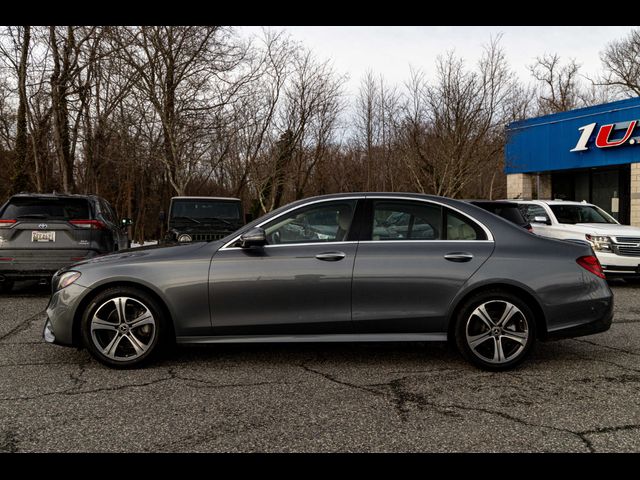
<point>599,242</point>
<point>67,279</point>
<point>185,237</point>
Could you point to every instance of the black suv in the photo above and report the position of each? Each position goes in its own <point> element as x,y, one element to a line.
<point>198,219</point>
<point>41,233</point>
<point>505,209</point>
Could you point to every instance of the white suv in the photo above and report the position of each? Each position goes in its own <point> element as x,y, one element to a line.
<point>616,246</point>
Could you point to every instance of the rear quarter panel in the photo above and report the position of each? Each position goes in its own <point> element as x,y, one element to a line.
<point>547,269</point>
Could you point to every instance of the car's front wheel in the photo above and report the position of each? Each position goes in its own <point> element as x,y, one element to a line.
<point>124,327</point>
<point>495,330</point>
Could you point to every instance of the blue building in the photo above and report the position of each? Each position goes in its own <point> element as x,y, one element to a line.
<point>590,154</point>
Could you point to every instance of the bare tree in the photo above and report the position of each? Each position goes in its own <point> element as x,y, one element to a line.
<point>621,63</point>
<point>187,75</point>
<point>559,84</point>
<point>306,122</point>
<point>453,129</point>
<point>20,39</point>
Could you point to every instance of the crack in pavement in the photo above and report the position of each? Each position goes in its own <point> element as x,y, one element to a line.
<point>610,429</point>
<point>401,397</point>
<point>8,441</point>
<point>23,325</point>
<point>72,391</point>
<point>78,382</point>
<point>35,364</point>
<point>214,385</point>
<point>604,346</point>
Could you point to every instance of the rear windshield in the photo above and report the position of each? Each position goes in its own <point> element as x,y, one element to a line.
<point>206,209</point>
<point>50,208</point>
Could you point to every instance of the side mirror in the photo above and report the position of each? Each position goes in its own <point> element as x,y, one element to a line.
<point>256,237</point>
<point>125,222</point>
<point>541,219</point>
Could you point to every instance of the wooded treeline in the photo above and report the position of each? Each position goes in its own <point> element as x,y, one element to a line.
<point>140,114</point>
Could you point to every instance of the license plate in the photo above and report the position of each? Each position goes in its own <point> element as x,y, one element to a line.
<point>37,236</point>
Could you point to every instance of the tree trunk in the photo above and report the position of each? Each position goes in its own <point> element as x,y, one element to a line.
<point>20,179</point>
<point>59,104</point>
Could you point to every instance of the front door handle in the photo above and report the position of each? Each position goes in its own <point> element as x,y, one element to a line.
<point>458,256</point>
<point>331,256</point>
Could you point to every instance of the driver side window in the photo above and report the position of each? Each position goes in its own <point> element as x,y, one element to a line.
<point>324,222</point>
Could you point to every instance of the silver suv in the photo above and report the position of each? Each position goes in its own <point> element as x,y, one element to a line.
<point>41,233</point>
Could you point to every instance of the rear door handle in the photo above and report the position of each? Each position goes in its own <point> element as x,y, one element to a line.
<point>331,256</point>
<point>458,256</point>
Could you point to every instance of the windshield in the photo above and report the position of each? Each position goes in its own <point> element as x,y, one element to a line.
<point>49,208</point>
<point>573,214</point>
<point>206,209</point>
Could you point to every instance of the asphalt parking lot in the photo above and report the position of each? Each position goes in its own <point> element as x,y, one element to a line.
<point>578,395</point>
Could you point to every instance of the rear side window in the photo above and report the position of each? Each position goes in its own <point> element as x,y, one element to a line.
<point>532,211</point>
<point>459,227</point>
<point>406,221</point>
<point>47,208</point>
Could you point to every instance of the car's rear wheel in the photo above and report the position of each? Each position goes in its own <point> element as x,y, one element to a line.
<point>495,330</point>
<point>124,327</point>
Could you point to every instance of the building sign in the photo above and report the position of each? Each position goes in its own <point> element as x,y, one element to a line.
<point>603,139</point>
<point>597,136</point>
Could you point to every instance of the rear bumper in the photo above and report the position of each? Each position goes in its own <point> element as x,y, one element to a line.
<point>32,265</point>
<point>599,321</point>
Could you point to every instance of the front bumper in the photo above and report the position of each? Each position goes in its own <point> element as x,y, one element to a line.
<point>61,312</point>
<point>618,265</point>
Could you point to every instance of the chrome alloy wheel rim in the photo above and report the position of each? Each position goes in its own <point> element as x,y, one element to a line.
<point>497,331</point>
<point>123,328</point>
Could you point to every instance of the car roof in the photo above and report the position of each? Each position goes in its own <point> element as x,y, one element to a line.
<point>493,202</point>
<point>205,198</point>
<point>552,202</point>
<point>54,195</point>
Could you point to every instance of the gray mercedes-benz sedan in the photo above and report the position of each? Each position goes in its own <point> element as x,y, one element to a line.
<point>347,267</point>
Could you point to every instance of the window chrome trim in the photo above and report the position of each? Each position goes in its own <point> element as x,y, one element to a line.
<point>301,244</point>
<point>425,241</point>
<point>322,200</point>
<point>367,197</point>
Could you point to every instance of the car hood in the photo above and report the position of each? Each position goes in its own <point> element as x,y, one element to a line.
<point>609,229</point>
<point>150,252</point>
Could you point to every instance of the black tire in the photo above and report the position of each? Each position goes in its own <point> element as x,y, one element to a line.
<point>105,303</point>
<point>6,286</point>
<point>486,353</point>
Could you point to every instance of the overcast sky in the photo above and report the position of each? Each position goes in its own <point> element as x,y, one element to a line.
<point>390,50</point>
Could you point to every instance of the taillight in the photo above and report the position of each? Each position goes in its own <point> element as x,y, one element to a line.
<point>6,223</point>
<point>591,263</point>
<point>92,224</point>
